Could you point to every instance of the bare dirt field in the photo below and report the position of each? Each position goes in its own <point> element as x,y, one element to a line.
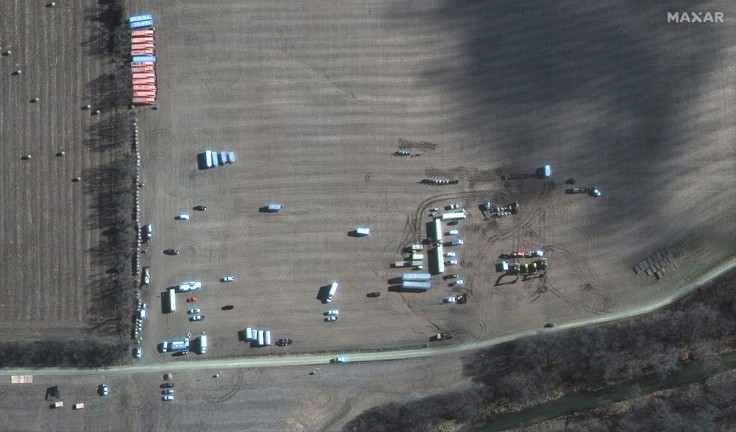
<point>313,97</point>
<point>258,399</point>
<point>48,273</point>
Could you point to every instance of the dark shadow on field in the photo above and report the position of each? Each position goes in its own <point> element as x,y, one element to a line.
<point>110,16</point>
<point>322,293</point>
<point>530,61</point>
<point>111,191</point>
<point>505,275</point>
<point>401,289</point>
<point>617,76</point>
<point>111,129</point>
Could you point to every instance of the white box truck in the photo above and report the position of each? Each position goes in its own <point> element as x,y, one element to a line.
<point>331,293</point>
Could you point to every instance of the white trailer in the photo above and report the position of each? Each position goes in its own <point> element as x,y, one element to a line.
<point>416,276</point>
<point>440,259</point>
<point>402,264</point>
<point>203,344</point>
<point>248,334</point>
<point>454,216</point>
<point>260,337</point>
<point>267,337</point>
<point>417,247</point>
<point>172,299</point>
<point>416,285</point>
<point>331,293</point>
<point>363,231</point>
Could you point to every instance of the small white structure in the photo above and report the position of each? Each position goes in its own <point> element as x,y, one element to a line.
<point>363,231</point>
<point>331,293</point>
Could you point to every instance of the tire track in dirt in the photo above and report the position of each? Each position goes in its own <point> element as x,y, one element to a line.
<point>236,387</point>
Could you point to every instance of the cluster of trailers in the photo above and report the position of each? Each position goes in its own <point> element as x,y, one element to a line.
<point>143,66</point>
<point>259,338</point>
<point>212,158</point>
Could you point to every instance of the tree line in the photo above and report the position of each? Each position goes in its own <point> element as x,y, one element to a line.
<point>533,370</point>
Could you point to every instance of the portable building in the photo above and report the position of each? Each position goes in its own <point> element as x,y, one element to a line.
<point>180,344</point>
<point>141,39</point>
<point>144,94</point>
<point>141,52</point>
<point>437,234</point>
<point>144,59</point>
<point>248,333</point>
<point>141,33</point>
<point>231,156</point>
<point>416,277</point>
<point>143,101</point>
<point>363,231</point>
<point>417,247</point>
<point>144,75</point>
<point>137,18</point>
<point>203,344</point>
<point>454,216</point>
<point>141,24</point>
<point>544,172</point>
<point>142,63</point>
<point>267,337</point>
<point>78,406</point>
<point>260,337</point>
<point>416,285</point>
<point>58,404</point>
<point>439,256</point>
<point>172,299</point>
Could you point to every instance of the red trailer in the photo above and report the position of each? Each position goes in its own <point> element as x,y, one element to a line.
<point>144,75</point>
<point>138,33</point>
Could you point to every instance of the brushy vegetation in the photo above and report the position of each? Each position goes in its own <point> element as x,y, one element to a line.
<point>529,371</point>
<point>80,352</point>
